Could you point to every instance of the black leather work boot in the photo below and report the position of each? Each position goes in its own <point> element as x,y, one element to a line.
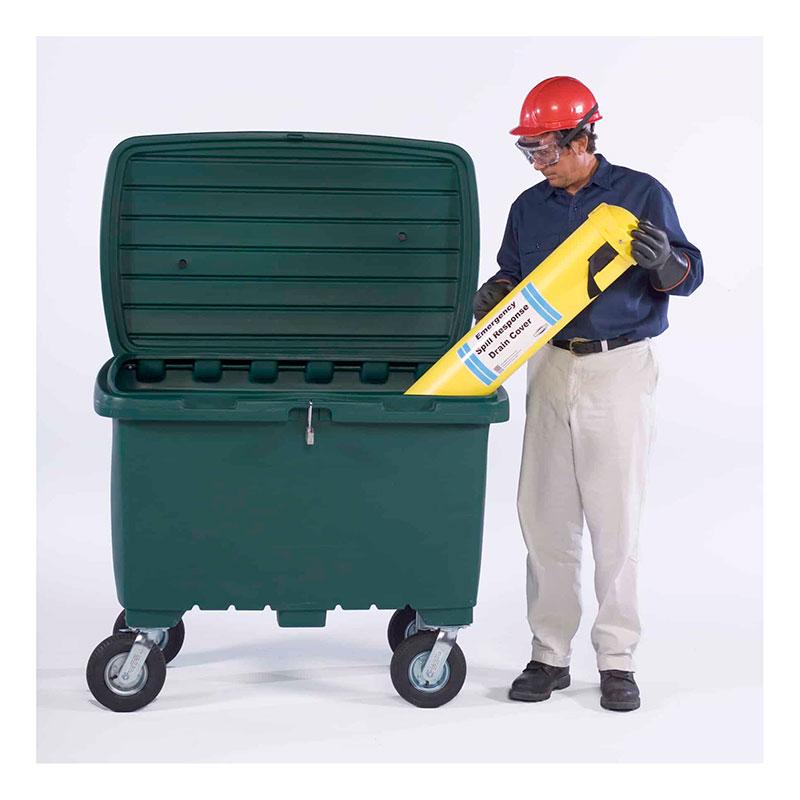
<point>538,681</point>
<point>618,690</point>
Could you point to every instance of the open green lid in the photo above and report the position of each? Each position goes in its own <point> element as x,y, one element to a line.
<point>288,246</point>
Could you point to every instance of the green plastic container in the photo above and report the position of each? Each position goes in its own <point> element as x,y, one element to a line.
<point>253,282</point>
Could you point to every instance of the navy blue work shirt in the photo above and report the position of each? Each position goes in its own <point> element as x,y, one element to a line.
<point>543,216</point>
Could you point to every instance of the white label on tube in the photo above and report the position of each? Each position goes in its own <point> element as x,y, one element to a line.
<point>508,334</point>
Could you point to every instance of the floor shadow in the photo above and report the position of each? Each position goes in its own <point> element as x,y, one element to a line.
<point>499,694</point>
<point>582,692</point>
<point>289,675</point>
<point>346,651</point>
<point>585,694</point>
<point>258,666</point>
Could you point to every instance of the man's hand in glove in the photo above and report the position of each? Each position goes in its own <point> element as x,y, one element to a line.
<point>653,252</point>
<point>488,296</point>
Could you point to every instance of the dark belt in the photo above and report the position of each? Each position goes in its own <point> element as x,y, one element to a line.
<point>581,348</point>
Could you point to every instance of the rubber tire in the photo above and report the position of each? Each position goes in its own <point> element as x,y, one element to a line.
<point>177,634</point>
<point>400,620</point>
<point>406,652</point>
<point>95,677</point>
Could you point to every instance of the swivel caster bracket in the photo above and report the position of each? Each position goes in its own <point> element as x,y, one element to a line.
<point>146,640</point>
<point>438,655</point>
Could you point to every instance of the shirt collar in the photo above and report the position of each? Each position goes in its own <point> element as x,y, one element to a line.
<point>601,177</point>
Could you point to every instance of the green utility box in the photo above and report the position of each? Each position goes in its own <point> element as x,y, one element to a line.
<point>269,298</point>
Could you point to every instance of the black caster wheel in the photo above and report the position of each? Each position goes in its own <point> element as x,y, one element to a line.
<point>170,643</point>
<point>102,674</point>
<point>402,625</point>
<point>406,670</point>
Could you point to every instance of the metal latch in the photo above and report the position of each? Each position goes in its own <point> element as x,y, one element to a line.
<point>309,428</point>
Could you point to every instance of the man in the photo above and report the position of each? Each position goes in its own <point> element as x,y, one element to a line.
<point>590,412</point>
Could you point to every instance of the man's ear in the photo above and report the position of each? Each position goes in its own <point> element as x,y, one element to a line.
<point>579,144</point>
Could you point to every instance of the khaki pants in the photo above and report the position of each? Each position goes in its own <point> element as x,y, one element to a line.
<point>588,433</point>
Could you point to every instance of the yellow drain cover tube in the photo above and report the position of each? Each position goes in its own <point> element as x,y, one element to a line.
<point>586,263</point>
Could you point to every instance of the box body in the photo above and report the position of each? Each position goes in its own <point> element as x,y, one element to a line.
<point>216,514</point>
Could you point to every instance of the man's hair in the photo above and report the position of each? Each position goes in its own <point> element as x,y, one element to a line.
<point>588,132</point>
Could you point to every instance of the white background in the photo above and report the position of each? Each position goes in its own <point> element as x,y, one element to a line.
<point>242,689</point>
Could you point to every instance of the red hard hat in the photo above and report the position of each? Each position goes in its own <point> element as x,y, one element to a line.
<point>556,104</point>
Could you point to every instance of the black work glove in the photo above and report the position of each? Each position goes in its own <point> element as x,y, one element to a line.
<point>488,296</point>
<point>653,252</point>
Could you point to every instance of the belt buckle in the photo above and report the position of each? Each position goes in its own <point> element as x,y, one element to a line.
<point>571,342</point>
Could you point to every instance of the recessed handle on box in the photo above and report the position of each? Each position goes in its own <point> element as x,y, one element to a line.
<point>209,402</point>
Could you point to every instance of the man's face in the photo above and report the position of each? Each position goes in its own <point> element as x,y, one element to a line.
<point>562,166</point>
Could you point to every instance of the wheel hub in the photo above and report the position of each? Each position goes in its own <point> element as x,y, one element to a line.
<point>111,675</point>
<point>416,668</point>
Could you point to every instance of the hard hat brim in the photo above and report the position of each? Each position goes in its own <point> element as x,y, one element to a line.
<point>528,130</point>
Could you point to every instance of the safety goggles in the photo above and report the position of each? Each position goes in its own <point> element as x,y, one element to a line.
<point>543,151</point>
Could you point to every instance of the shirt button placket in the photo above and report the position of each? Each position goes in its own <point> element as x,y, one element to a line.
<point>573,213</point>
